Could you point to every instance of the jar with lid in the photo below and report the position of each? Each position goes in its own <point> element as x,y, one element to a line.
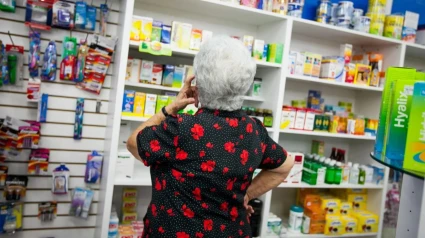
<point>250,111</point>
<point>268,118</point>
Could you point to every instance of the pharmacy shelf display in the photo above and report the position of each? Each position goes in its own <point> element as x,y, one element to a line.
<point>279,88</point>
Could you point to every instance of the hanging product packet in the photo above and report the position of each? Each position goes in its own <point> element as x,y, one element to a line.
<point>3,64</point>
<point>8,6</point>
<point>47,211</point>
<point>15,65</point>
<point>104,14</point>
<point>11,214</point>
<point>93,168</point>
<point>48,70</point>
<point>15,187</point>
<point>80,14</point>
<point>39,14</point>
<point>34,54</point>
<point>60,180</point>
<point>67,68</point>
<point>39,162</point>
<point>83,50</point>
<point>81,202</point>
<point>91,18</point>
<point>63,14</point>
<point>3,175</point>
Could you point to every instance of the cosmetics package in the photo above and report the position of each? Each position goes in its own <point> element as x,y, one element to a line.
<point>81,202</point>
<point>60,180</point>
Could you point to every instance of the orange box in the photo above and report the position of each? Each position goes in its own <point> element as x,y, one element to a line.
<point>311,201</point>
<point>315,214</point>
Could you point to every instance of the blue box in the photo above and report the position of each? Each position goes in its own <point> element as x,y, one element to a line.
<point>166,34</point>
<point>128,101</point>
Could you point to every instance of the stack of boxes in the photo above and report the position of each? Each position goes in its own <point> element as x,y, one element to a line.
<point>129,206</point>
<point>135,229</point>
<point>140,104</point>
<point>338,212</point>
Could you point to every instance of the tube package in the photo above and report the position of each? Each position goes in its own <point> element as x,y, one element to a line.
<point>104,14</point>
<point>78,125</point>
<point>15,65</point>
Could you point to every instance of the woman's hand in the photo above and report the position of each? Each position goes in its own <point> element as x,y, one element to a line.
<point>187,95</point>
<point>248,208</point>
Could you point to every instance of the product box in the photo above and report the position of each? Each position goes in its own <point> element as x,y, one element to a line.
<point>346,51</point>
<point>310,227</point>
<point>180,35</point>
<point>128,101</point>
<point>168,75</point>
<point>420,76</point>
<point>410,26</point>
<point>317,63</point>
<point>129,193</point>
<point>330,205</point>
<point>275,53</point>
<point>178,79</point>
<point>291,62</point>
<point>350,224</point>
<point>125,165</point>
<point>161,102</point>
<point>294,176</point>
<point>166,34</point>
<point>362,75</point>
<point>136,25</point>
<point>258,49</point>
<point>314,99</point>
<point>146,29</point>
<point>318,121</point>
<point>346,208</point>
<point>393,73</point>
<point>350,72</point>
<point>414,158</point>
<point>156,31</point>
<point>309,120</point>
<point>129,205</point>
<point>146,71</point>
<point>376,64</point>
<point>139,104</point>
<point>333,68</point>
<point>334,225</point>
<point>157,72</point>
<point>150,105</point>
<point>300,119</point>
<point>359,201</point>
<point>318,147</point>
<point>367,221</point>
<point>287,120</point>
<point>195,39</point>
<point>206,35</point>
<point>396,134</point>
<point>379,172</point>
<point>299,63</point>
<point>248,41</point>
<point>308,63</point>
<point>133,70</point>
<point>129,217</point>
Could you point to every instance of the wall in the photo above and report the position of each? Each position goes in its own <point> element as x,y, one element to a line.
<point>57,132</point>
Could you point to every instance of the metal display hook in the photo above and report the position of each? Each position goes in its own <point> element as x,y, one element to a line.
<point>10,37</point>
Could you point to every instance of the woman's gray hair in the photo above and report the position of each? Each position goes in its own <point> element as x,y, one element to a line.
<point>224,71</point>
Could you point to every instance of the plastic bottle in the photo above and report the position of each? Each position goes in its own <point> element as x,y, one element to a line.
<point>321,171</point>
<point>362,175</point>
<point>346,173</point>
<point>354,174</point>
<point>330,171</point>
<point>333,153</point>
<point>338,173</point>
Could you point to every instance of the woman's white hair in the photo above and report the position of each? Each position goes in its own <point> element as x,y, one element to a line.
<point>224,71</point>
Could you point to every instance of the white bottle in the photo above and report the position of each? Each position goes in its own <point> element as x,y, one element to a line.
<point>322,160</point>
<point>369,174</point>
<point>354,174</point>
<point>321,172</point>
<point>346,173</point>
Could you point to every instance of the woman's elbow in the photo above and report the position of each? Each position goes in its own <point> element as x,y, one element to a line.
<point>131,145</point>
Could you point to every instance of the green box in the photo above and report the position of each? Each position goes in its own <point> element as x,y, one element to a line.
<point>414,158</point>
<point>393,73</point>
<point>275,53</point>
<point>318,147</point>
<point>420,76</point>
<point>161,102</point>
<point>396,134</point>
<point>318,120</point>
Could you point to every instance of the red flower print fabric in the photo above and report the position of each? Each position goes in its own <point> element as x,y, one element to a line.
<point>201,167</point>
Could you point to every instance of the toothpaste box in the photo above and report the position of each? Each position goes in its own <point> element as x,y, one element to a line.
<point>414,158</point>
<point>393,73</point>
<point>396,134</point>
<point>139,104</point>
<point>150,105</point>
<point>128,102</point>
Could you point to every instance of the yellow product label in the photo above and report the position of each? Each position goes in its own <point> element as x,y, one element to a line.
<point>128,217</point>
<point>350,224</point>
<point>346,208</point>
<point>139,104</point>
<point>135,29</point>
<point>129,193</point>
<point>331,205</point>
<point>357,197</point>
<point>367,222</point>
<point>146,29</point>
<point>334,225</point>
<point>129,205</point>
<point>308,64</point>
<point>376,28</point>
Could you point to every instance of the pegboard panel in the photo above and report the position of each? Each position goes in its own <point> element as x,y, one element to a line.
<point>57,132</point>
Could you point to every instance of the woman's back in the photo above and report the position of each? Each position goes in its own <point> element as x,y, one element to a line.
<point>201,167</point>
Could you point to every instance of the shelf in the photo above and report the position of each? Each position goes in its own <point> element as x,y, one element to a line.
<point>327,134</point>
<point>130,118</point>
<point>341,186</point>
<point>399,168</point>
<point>292,235</point>
<point>192,53</point>
<point>333,83</point>
<point>253,99</point>
<point>138,178</point>
<point>152,86</point>
<point>333,33</point>
<point>415,50</point>
<point>220,10</point>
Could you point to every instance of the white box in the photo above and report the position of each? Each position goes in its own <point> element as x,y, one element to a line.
<point>292,62</point>
<point>150,105</point>
<point>125,165</point>
<point>133,70</point>
<point>300,119</point>
<point>206,35</point>
<point>146,71</point>
<point>309,120</point>
<point>157,71</point>
<point>296,172</point>
<point>299,63</point>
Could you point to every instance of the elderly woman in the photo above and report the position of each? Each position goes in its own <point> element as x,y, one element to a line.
<point>202,165</point>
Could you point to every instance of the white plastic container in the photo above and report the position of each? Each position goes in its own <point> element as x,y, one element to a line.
<point>274,225</point>
<point>354,174</point>
<point>295,219</point>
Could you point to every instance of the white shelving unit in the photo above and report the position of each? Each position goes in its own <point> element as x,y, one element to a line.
<point>278,88</point>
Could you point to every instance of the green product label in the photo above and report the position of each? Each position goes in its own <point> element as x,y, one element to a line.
<point>155,48</point>
<point>268,121</point>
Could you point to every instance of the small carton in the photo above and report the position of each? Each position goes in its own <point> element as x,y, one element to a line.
<point>362,75</point>
<point>414,158</point>
<point>135,28</point>
<point>156,31</point>
<point>248,41</point>
<point>146,71</point>
<point>317,62</point>
<point>367,221</point>
<point>346,208</point>
<point>129,205</point>
<point>139,104</point>
<point>125,165</point>
<point>333,68</point>
<point>179,73</point>
<point>291,62</point>
<point>314,99</point>
<point>195,39</point>
<point>300,118</point>
<point>330,205</point>
<point>318,121</point>
<point>308,63</point>
<point>288,117</point>
<point>309,120</point>
<point>133,70</point>
<point>400,109</point>
<point>161,102</point>
<point>128,101</point>
<point>334,225</point>
<point>206,35</point>
<point>129,193</point>
<point>318,147</point>
<point>275,53</point>
<point>128,217</point>
<point>150,105</point>
<point>168,75</point>
<point>299,63</point>
<point>350,224</point>
<point>258,49</point>
<point>146,29</point>
<point>294,176</point>
<point>410,26</point>
<point>186,32</point>
<point>166,34</point>
<point>157,72</point>
<point>346,51</point>
<point>350,72</point>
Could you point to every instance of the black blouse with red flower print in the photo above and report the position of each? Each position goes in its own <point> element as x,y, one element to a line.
<point>201,167</point>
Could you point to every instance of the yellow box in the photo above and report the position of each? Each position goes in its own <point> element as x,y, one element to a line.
<point>129,193</point>
<point>350,224</point>
<point>128,217</point>
<point>146,29</point>
<point>308,64</point>
<point>356,191</point>
<point>334,225</point>
<point>346,208</point>
<point>129,205</point>
<point>317,64</point>
<point>359,201</point>
<point>136,25</point>
<point>362,76</point>
<point>331,205</point>
<point>139,104</point>
<point>367,221</point>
